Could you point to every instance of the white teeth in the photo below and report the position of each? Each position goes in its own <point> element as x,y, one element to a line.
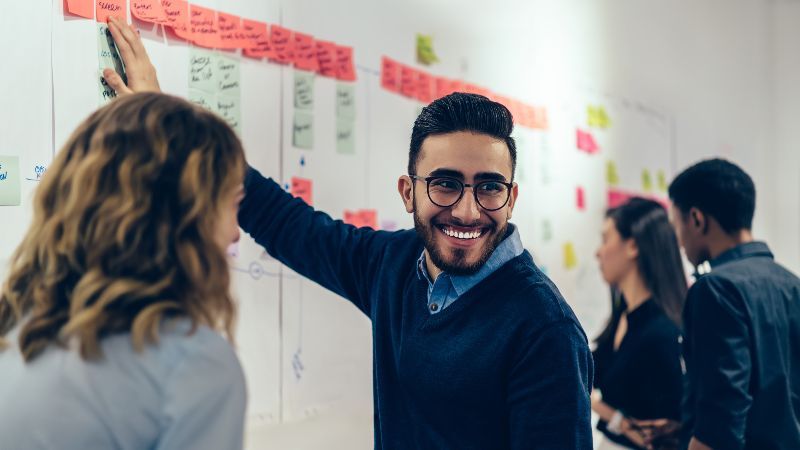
<point>462,235</point>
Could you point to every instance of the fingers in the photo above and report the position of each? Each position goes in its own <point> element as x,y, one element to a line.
<point>125,49</point>
<point>115,81</point>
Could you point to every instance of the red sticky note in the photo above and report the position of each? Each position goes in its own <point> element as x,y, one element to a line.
<point>362,218</point>
<point>408,81</point>
<point>258,42</point>
<point>580,199</point>
<point>302,188</point>
<point>110,8</point>
<point>424,87</point>
<point>81,8</point>
<point>326,59</point>
<point>540,118</point>
<point>203,26</point>
<point>177,12</point>
<point>585,142</point>
<point>457,86</point>
<point>345,68</point>
<point>231,33</point>
<point>282,43</point>
<point>148,11</point>
<point>390,74</point>
<point>305,52</point>
<point>441,87</point>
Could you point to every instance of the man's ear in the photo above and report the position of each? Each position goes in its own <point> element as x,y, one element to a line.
<point>698,220</point>
<point>405,186</point>
<point>512,200</point>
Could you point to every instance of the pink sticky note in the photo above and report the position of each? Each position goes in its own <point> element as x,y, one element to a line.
<point>203,25</point>
<point>282,43</point>
<point>540,119</point>
<point>457,86</point>
<point>390,74</point>
<point>177,12</point>
<point>257,37</point>
<point>148,11</point>
<point>305,52</point>
<point>441,86</point>
<point>345,68</point>
<point>580,199</point>
<point>408,81</point>
<point>81,8</point>
<point>424,87</point>
<point>362,218</point>
<point>585,142</point>
<point>231,33</point>
<point>617,197</point>
<point>326,59</point>
<point>302,188</point>
<point>110,8</point>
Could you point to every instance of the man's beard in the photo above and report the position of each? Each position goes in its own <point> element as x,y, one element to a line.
<point>458,264</point>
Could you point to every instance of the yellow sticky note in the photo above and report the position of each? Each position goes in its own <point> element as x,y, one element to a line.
<point>612,177</point>
<point>570,258</point>
<point>597,117</point>
<point>647,181</point>
<point>425,53</point>
<point>662,181</point>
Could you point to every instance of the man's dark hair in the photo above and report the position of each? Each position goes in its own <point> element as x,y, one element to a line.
<point>462,112</point>
<point>719,189</point>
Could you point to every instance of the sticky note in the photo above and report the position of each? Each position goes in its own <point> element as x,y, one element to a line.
<point>282,43</point>
<point>326,59</point>
<point>580,199</point>
<point>305,52</point>
<point>540,120</point>
<point>303,130</point>
<point>547,231</point>
<point>202,98</point>
<point>258,42</point>
<point>227,76</point>
<point>302,188</point>
<point>597,117</point>
<point>408,81</point>
<point>612,177</point>
<point>424,89</point>
<point>229,108</point>
<point>81,8</point>
<point>441,86</point>
<point>9,181</point>
<point>108,58</point>
<point>303,90</point>
<point>203,26</point>
<point>177,12</point>
<point>110,8</point>
<point>345,67</point>
<point>647,181</point>
<point>345,100</point>
<point>105,92</point>
<point>390,74</point>
<point>362,218</point>
<point>148,11</point>
<point>662,181</point>
<point>345,136</point>
<point>585,142</point>
<point>231,33</point>
<point>202,70</point>
<point>570,257</point>
<point>425,53</point>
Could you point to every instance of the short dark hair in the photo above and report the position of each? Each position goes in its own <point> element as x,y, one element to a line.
<point>718,188</point>
<point>462,112</point>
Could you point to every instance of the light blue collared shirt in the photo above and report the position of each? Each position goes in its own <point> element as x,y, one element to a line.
<point>448,288</point>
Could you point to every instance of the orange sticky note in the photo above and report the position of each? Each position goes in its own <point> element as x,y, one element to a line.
<point>257,36</point>
<point>302,188</point>
<point>81,8</point>
<point>390,74</point>
<point>441,86</point>
<point>282,43</point>
<point>305,52</point>
<point>110,8</point>
<point>177,12</point>
<point>362,218</point>
<point>203,26</point>
<point>326,59</point>
<point>148,11</point>
<point>345,68</point>
<point>231,33</point>
<point>424,87</point>
<point>408,81</point>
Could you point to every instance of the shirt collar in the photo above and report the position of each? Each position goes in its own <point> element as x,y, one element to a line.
<point>746,250</point>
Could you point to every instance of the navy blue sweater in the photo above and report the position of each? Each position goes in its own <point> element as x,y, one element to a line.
<point>507,366</point>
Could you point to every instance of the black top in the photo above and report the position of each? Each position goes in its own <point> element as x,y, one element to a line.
<point>643,378</point>
<point>742,352</point>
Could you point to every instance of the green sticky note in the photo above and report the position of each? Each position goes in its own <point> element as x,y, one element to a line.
<point>345,136</point>
<point>203,69</point>
<point>205,99</point>
<point>108,58</point>
<point>229,108</point>
<point>345,100</point>
<point>228,76</point>
<point>303,90</point>
<point>303,130</point>
<point>662,181</point>
<point>547,231</point>
<point>425,53</point>
<point>9,181</point>
<point>612,177</point>
<point>647,181</point>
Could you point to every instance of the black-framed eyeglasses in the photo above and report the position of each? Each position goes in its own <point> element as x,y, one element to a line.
<point>445,192</point>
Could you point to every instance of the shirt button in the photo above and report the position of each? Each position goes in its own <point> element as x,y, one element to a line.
<point>434,307</point>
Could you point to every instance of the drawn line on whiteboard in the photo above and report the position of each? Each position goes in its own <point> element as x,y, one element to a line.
<point>257,271</point>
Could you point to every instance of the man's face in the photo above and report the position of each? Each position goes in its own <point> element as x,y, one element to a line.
<point>460,238</point>
<point>689,229</point>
